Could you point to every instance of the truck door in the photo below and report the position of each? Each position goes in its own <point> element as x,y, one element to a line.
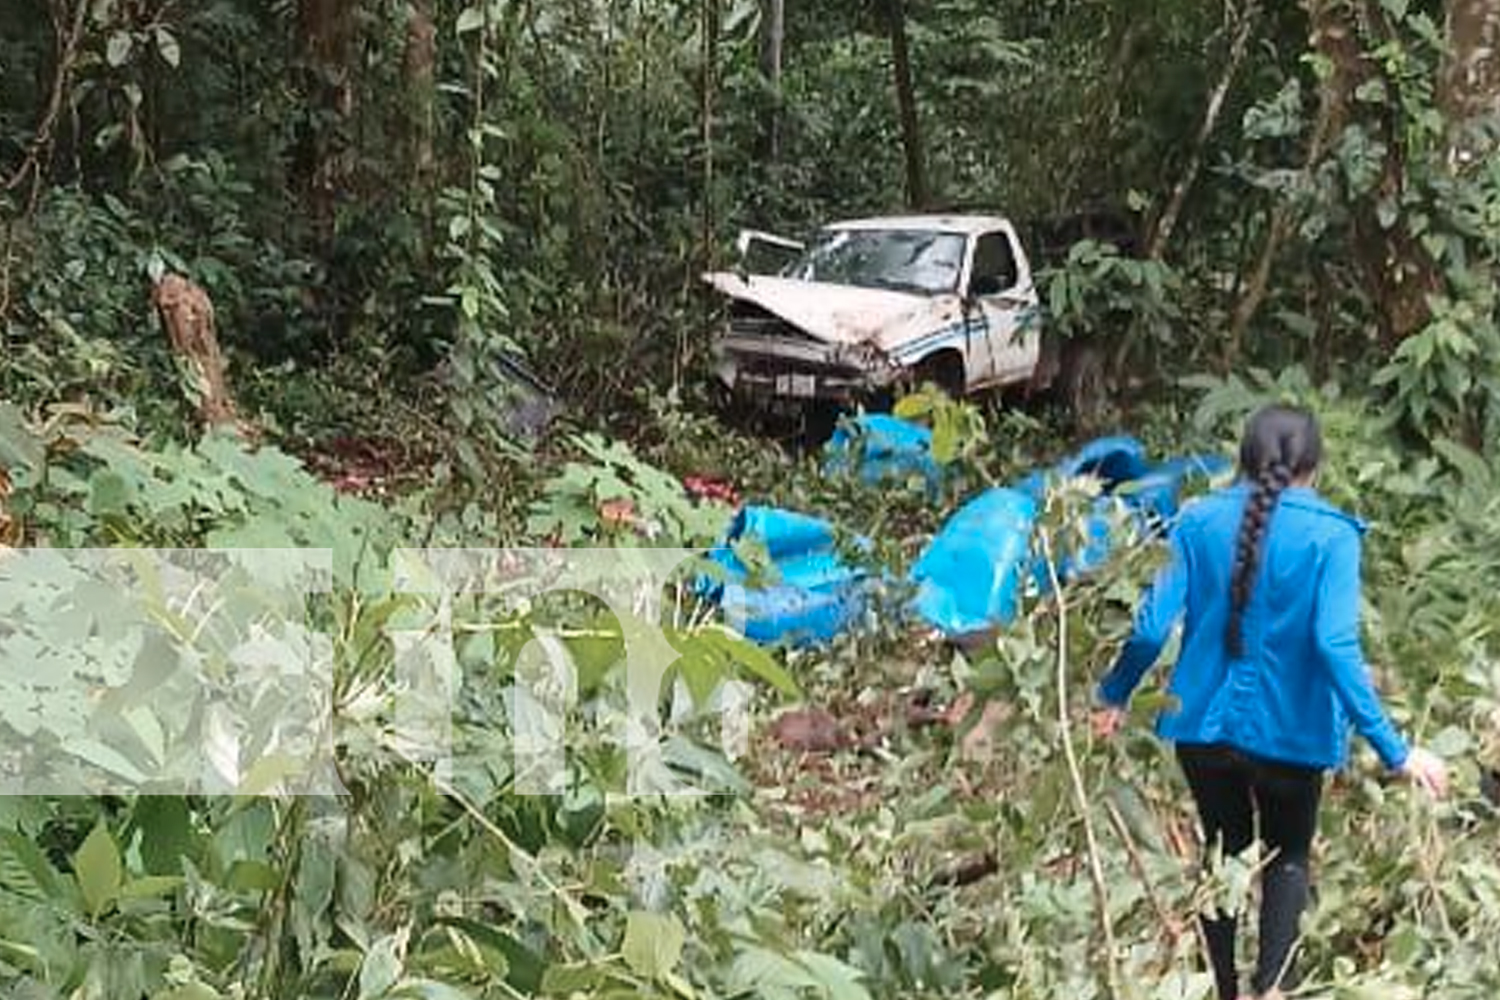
<point>1000,292</point>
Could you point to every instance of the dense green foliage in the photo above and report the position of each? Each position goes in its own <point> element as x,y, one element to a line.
<point>388,203</point>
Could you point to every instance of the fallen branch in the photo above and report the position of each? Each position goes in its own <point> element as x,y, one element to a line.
<point>1075,774</point>
<point>1170,923</point>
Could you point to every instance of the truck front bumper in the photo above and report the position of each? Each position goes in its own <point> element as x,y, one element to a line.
<point>803,370</point>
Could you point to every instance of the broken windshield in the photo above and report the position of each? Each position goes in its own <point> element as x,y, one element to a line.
<point>920,261</point>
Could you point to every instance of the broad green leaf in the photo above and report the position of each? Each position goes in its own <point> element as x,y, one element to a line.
<point>18,445</point>
<point>151,885</point>
<point>20,954</point>
<point>251,876</point>
<point>355,889</point>
<point>913,406</point>
<point>653,943</point>
<point>117,50</point>
<point>680,986</point>
<point>167,47</point>
<point>700,673</point>
<point>565,980</point>
<point>751,657</point>
<point>381,967</point>
<point>709,770</point>
<point>527,971</point>
<point>1450,742</point>
<point>312,893</point>
<point>189,991</point>
<point>427,989</point>
<point>1139,821</point>
<point>97,865</point>
<point>106,758</point>
<point>471,19</point>
<point>839,980</point>
<point>269,771</point>
<point>759,970</point>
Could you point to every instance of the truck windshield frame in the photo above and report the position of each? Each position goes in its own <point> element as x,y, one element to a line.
<point>915,261</point>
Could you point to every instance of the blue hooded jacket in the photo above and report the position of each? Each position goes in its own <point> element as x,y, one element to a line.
<point>1302,679</point>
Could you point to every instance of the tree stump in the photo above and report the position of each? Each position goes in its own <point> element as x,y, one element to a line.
<point>188,315</point>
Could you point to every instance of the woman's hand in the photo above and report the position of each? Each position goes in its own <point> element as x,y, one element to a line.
<point>1107,721</point>
<point>1427,771</point>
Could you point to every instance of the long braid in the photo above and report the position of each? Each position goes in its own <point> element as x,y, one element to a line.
<point>1271,481</point>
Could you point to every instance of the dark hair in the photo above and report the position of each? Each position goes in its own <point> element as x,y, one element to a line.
<point>1281,443</point>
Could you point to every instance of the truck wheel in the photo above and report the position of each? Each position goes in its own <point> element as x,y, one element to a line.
<point>944,369</point>
<point>819,421</point>
<point>1083,386</point>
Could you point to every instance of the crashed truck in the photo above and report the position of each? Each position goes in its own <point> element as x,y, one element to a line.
<point>871,306</point>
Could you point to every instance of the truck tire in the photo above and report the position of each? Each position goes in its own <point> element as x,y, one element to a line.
<point>819,421</point>
<point>945,369</point>
<point>1083,387</point>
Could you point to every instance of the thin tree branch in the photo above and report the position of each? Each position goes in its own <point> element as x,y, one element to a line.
<point>1332,108</point>
<point>40,152</point>
<point>906,104</point>
<point>1075,774</point>
<point>1173,212</point>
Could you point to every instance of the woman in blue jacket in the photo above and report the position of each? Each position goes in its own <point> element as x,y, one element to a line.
<point>1264,576</point>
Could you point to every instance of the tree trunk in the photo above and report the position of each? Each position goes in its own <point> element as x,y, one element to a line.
<point>1469,91</point>
<point>1125,38</point>
<point>906,104</point>
<point>1397,272</point>
<point>708,12</point>
<point>419,70</point>
<point>1331,36</point>
<point>327,30</point>
<point>710,59</point>
<point>1167,222</point>
<point>772,40</point>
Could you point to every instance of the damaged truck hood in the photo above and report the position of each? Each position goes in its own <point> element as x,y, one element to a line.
<point>842,314</point>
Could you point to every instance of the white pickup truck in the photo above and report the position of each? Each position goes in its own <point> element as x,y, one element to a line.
<point>871,305</point>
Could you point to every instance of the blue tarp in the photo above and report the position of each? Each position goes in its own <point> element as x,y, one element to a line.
<point>882,448</point>
<point>969,577</point>
<point>806,595</point>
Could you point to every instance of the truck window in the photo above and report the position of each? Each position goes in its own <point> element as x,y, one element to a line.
<point>924,262</point>
<point>994,265</point>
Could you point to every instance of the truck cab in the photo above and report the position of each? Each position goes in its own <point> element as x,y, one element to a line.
<point>868,304</point>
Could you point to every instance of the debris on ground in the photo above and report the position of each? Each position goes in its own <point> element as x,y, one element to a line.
<point>968,579</point>
<point>360,465</point>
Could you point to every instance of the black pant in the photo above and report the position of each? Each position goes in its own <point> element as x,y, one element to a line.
<point>1231,788</point>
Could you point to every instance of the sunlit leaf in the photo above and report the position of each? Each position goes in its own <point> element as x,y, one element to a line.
<point>653,943</point>
<point>117,49</point>
<point>99,870</point>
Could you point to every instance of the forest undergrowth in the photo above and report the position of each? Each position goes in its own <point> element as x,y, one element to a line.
<point>904,821</point>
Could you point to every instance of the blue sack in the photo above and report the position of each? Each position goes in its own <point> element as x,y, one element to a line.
<point>1115,460</point>
<point>880,448</point>
<point>792,616</point>
<point>811,594</point>
<point>1151,493</point>
<point>967,577</point>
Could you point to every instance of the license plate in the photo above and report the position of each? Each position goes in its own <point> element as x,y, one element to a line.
<point>796,385</point>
